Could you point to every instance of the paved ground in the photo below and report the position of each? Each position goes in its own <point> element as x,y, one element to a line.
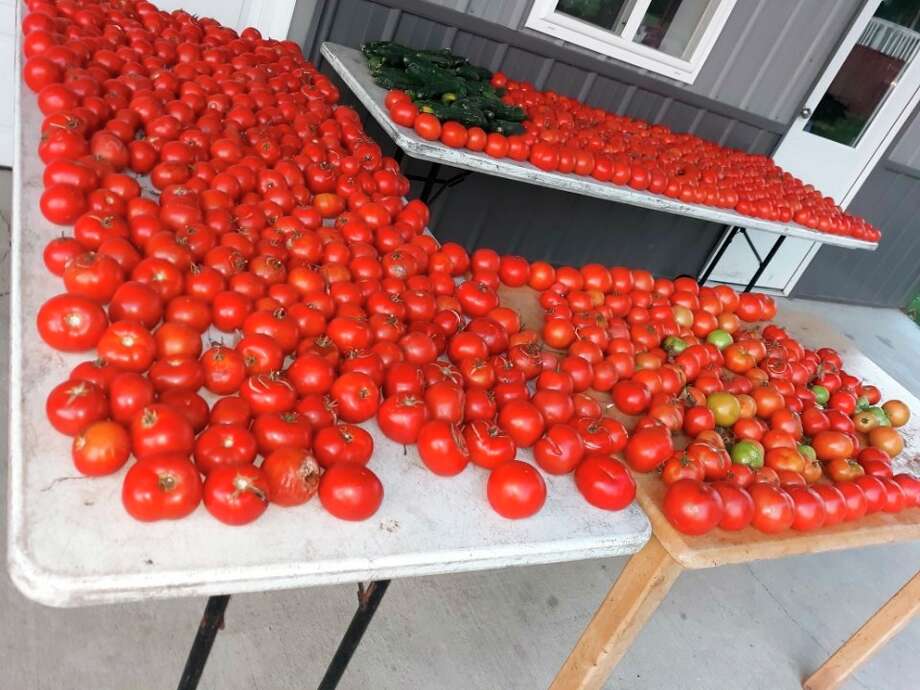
<point>758,627</point>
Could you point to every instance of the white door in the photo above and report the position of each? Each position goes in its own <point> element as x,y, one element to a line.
<point>271,17</point>
<point>866,93</point>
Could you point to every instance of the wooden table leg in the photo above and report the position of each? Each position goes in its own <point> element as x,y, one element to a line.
<point>875,632</point>
<point>631,601</point>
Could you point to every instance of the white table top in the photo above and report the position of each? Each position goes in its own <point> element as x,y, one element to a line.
<point>71,542</point>
<point>352,68</point>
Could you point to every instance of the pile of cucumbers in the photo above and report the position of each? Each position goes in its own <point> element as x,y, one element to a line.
<point>443,84</point>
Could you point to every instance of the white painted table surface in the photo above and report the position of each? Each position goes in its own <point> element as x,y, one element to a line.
<point>350,65</point>
<point>71,542</point>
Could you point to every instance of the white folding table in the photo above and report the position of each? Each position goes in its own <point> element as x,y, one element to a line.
<point>351,67</point>
<point>71,543</point>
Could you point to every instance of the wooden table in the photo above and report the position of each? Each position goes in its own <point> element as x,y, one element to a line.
<point>351,66</point>
<point>649,575</point>
<point>70,542</point>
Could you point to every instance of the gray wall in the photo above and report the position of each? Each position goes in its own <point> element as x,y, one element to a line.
<point>759,72</point>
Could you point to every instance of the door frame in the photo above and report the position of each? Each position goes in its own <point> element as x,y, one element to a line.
<point>817,91</point>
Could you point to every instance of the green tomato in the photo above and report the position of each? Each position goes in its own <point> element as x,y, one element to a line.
<point>748,453</point>
<point>822,395</point>
<point>807,452</point>
<point>862,403</point>
<point>721,339</point>
<point>674,345</point>
<point>725,407</point>
<point>880,415</point>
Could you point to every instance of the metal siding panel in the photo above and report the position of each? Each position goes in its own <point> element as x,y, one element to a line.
<point>887,276</point>
<point>566,80</point>
<point>608,94</point>
<point>420,33</point>
<point>906,148</point>
<point>523,65</point>
<point>479,51</point>
<point>711,126</point>
<point>645,105</point>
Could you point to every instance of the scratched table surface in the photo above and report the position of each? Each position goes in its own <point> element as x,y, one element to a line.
<point>350,65</point>
<point>71,542</point>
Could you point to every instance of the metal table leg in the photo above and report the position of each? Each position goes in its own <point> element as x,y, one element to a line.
<point>430,179</point>
<point>211,622</point>
<point>368,600</point>
<point>765,262</point>
<point>704,276</point>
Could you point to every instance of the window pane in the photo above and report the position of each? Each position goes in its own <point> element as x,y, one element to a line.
<point>670,25</point>
<point>602,13</point>
<point>887,44</point>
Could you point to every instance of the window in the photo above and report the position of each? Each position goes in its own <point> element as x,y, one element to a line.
<point>670,37</point>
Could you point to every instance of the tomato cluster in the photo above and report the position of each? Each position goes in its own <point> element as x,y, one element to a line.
<point>257,289</point>
<point>259,293</point>
<point>566,136</point>
<point>745,425</point>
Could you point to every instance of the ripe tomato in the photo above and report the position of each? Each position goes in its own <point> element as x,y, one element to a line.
<point>834,503</point>
<point>224,444</point>
<point>737,506</point>
<point>809,508</point>
<point>522,421</point>
<point>774,510</point>
<point>281,429</point>
<point>236,495</point>
<point>559,450</point>
<point>71,323</point>
<point>427,126</point>
<point>342,443</point>
<point>516,490</point>
<point>159,429</point>
<point>647,448</point>
<point>163,487</point>
<point>401,417</point>
<point>128,345</point>
<point>631,397</point>
<point>604,482</point>
<point>693,507</point>
<point>292,475</point>
<point>102,448</point>
<point>350,491</point>
<point>356,395</point>
<point>72,406</point>
<point>487,444</point>
<point>443,448</point>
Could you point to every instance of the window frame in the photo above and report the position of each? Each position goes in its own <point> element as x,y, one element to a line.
<point>544,18</point>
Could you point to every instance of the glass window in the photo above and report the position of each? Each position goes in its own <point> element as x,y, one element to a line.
<point>671,37</point>
<point>888,43</point>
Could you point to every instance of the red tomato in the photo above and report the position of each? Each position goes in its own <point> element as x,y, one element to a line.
<point>647,448</point>
<point>692,507</point>
<point>737,506</point>
<point>342,443</point>
<point>102,448</point>
<point>516,490</point>
<point>809,508</point>
<point>604,482</point>
<point>163,487</point>
<point>443,448</point>
<point>292,475</point>
<point>350,491</point>
<point>224,444</point>
<point>74,405</point>
<point>774,510</point>
<point>356,395</point>
<point>236,495</point>
<point>401,417</point>
<point>71,323</point>
<point>522,421</point>
<point>159,429</point>
<point>559,450</point>
<point>487,444</point>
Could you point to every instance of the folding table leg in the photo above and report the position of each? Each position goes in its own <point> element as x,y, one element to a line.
<point>875,632</point>
<point>704,276</point>
<point>430,179</point>
<point>368,600</point>
<point>766,262</point>
<point>641,587</point>
<point>211,622</point>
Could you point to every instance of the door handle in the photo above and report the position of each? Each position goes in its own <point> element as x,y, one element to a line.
<point>805,112</point>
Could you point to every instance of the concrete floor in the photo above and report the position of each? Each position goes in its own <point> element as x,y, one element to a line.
<point>761,627</point>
